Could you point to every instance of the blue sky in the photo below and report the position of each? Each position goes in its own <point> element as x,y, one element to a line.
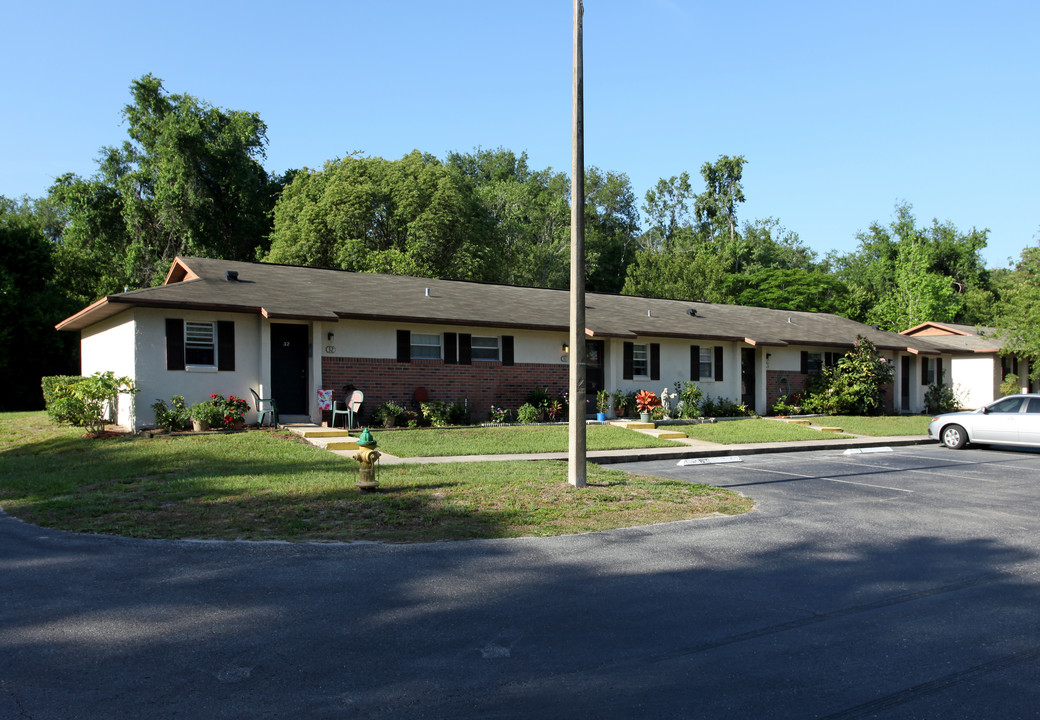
<point>841,109</point>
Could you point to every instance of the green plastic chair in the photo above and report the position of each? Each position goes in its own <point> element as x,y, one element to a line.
<point>351,405</point>
<point>271,409</point>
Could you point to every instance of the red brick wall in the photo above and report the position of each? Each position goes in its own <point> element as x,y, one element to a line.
<point>482,383</point>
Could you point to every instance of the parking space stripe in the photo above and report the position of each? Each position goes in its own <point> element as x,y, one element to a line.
<point>831,479</point>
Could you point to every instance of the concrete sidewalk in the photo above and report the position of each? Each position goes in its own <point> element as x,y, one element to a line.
<point>695,449</point>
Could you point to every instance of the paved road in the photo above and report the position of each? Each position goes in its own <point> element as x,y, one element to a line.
<point>878,585</point>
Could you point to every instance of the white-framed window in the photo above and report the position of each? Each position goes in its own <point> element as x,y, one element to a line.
<point>484,348</point>
<point>426,346</point>
<point>707,363</point>
<point>640,360</point>
<point>200,344</point>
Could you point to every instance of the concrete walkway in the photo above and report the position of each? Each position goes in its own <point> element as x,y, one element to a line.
<point>343,444</point>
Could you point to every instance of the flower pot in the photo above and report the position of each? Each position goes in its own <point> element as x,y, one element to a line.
<point>601,416</point>
<point>644,417</point>
<point>199,425</point>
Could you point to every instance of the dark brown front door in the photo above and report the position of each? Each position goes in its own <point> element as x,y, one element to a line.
<point>289,353</point>
<point>747,377</point>
<point>594,375</point>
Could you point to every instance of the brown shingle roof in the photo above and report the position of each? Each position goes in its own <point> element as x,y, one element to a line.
<point>289,292</point>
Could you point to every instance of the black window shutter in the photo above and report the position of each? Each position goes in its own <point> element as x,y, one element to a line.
<point>718,362</point>
<point>226,345</point>
<point>404,346</point>
<point>924,371</point>
<point>174,344</point>
<point>938,372</point>
<point>695,362</point>
<point>465,349</point>
<point>655,361</point>
<point>626,361</point>
<point>451,354</point>
<point>805,363</point>
<point>507,349</point>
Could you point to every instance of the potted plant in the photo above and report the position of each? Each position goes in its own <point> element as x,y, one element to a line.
<point>621,402</point>
<point>646,401</point>
<point>206,414</point>
<point>602,404</point>
<point>387,414</point>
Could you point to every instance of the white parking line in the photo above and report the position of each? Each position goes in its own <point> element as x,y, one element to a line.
<point>847,482</point>
<point>938,473</point>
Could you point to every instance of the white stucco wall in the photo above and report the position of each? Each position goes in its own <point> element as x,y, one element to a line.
<point>975,379</point>
<point>675,367</point>
<point>110,346</point>
<point>155,381</point>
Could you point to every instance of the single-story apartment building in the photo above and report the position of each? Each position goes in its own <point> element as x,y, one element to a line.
<point>219,326</point>
<point>977,368</point>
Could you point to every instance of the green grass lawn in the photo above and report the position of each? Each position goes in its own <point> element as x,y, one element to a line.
<point>755,430</point>
<point>432,442</point>
<point>880,426</point>
<point>264,485</point>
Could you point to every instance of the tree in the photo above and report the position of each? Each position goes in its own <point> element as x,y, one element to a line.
<point>31,303</point>
<point>530,211</point>
<point>668,212</point>
<point>413,216</point>
<point>189,181</point>
<point>787,289</point>
<point>902,275</point>
<point>716,207</point>
<point>1018,319</point>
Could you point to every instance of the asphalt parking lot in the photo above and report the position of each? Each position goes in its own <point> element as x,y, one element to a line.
<point>898,584</point>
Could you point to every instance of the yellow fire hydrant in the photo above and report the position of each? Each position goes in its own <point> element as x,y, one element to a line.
<point>367,455</point>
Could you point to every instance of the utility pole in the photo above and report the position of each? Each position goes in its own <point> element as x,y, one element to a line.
<point>576,472</point>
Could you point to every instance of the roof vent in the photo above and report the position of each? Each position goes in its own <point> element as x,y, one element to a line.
<point>789,320</point>
<point>231,275</point>
<point>427,292</point>
<point>649,313</point>
<point>692,312</point>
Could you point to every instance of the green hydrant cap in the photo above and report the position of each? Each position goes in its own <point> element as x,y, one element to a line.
<point>366,438</point>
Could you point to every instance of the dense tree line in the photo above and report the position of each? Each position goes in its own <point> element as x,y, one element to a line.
<point>189,181</point>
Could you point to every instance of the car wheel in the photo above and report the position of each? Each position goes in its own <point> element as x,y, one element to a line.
<point>953,436</point>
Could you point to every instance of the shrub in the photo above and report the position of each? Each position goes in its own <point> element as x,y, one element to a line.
<point>173,418</point>
<point>209,412</point>
<point>440,413</point>
<point>387,414</point>
<point>1010,385</point>
<point>690,396</point>
<point>723,407</point>
<point>787,405</point>
<point>459,413</point>
<point>858,381</point>
<point>539,398</point>
<point>527,413</point>
<point>88,401</point>
<point>59,412</point>
<point>498,414</point>
<point>232,409</point>
<point>940,399</point>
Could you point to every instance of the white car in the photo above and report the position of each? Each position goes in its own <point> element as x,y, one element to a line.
<point>1011,420</point>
